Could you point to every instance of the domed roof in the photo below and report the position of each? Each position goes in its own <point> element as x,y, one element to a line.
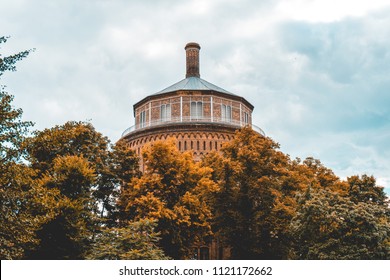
<point>193,80</point>
<point>193,83</point>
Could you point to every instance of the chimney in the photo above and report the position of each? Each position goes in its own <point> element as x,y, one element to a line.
<point>192,59</point>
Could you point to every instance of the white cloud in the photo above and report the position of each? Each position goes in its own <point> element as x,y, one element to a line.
<point>328,10</point>
<point>316,71</point>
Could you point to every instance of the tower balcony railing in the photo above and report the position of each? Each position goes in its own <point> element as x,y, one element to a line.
<point>190,120</point>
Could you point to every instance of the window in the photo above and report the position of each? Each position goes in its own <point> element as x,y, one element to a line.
<point>196,110</point>
<point>246,118</point>
<point>226,113</point>
<point>165,112</point>
<point>142,119</point>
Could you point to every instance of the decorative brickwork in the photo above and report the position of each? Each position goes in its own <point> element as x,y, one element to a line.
<point>219,115</point>
<point>200,139</point>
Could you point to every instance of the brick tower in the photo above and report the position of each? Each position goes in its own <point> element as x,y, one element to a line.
<point>200,115</point>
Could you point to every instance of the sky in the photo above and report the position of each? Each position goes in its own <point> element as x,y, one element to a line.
<point>316,71</point>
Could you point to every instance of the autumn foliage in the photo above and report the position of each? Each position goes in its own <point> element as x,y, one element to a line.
<point>272,207</point>
<point>175,192</point>
<point>66,192</point>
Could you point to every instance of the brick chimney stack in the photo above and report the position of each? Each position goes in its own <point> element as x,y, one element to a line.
<point>192,59</point>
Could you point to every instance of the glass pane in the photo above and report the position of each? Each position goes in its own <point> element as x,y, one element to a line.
<point>223,112</point>
<point>142,119</point>
<point>193,109</point>
<point>199,111</point>
<point>168,112</point>
<point>163,113</point>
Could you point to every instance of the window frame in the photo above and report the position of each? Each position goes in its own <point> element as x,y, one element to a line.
<point>196,108</point>
<point>226,113</point>
<point>246,118</point>
<point>142,119</point>
<point>165,112</point>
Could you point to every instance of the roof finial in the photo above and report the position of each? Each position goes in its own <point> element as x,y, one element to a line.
<point>192,59</point>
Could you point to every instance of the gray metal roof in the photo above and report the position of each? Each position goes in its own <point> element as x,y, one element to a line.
<point>193,83</point>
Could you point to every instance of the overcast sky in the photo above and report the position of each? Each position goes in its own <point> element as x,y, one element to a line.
<point>317,72</point>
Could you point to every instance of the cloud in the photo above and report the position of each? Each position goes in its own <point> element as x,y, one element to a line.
<point>341,88</point>
<point>344,71</point>
<point>328,11</point>
<point>316,71</point>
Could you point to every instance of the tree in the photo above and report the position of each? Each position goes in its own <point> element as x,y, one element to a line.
<point>135,241</point>
<point>320,177</point>
<point>125,163</point>
<point>68,233</point>
<point>330,226</point>
<point>12,128</point>
<point>25,206</point>
<point>20,213</point>
<point>364,189</point>
<point>250,212</point>
<point>75,139</point>
<point>7,63</point>
<point>80,149</point>
<point>71,138</point>
<point>174,191</point>
<point>124,166</point>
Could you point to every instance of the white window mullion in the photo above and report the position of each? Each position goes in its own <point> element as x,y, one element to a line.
<point>211,107</point>
<point>181,108</point>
